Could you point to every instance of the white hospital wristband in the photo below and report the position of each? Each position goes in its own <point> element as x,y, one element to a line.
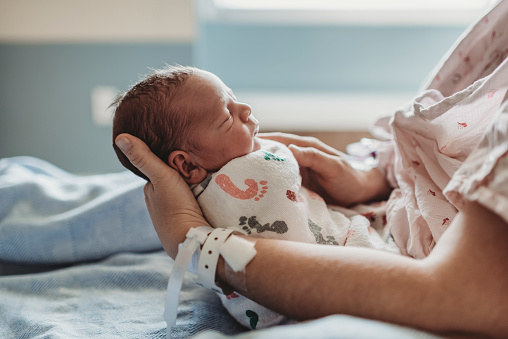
<point>194,239</point>
<point>210,256</point>
<point>237,252</point>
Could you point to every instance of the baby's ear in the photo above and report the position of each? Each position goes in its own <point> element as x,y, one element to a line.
<point>190,172</point>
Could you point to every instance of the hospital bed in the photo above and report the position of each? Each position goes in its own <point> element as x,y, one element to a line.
<point>79,258</point>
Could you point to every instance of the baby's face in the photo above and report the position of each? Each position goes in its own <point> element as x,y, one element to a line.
<point>224,128</point>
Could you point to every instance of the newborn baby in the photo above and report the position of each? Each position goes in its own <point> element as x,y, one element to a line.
<point>193,122</point>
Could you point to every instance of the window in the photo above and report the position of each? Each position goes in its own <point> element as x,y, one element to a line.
<point>336,47</point>
<point>370,12</point>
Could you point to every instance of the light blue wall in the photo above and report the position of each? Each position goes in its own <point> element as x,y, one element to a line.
<point>45,89</point>
<point>320,57</point>
<point>45,105</point>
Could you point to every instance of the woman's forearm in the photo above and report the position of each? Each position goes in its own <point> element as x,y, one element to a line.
<point>306,281</point>
<point>460,287</point>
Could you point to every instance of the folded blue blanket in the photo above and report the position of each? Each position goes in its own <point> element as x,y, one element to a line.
<point>50,216</point>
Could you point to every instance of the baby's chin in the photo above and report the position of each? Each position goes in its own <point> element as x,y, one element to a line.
<point>255,145</point>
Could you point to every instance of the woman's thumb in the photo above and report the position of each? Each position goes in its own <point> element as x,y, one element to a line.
<point>140,156</point>
<point>305,156</point>
<point>314,159</point>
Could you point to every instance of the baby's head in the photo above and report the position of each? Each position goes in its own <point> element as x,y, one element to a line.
<point>189,118</point>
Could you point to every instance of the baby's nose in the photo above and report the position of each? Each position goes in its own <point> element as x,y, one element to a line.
<point>245,113</point>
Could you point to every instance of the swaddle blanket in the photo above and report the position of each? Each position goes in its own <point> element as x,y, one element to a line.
<point>260,194</point>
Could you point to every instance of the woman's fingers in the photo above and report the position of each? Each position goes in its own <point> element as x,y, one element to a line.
<point>171,204</point>
<point>302,141</point>
<point>331,176</point>
<point>305,156</point>
<point>284,138</point>
<point>322,163</point>
<point>142,157</point>
<point>165,185</point>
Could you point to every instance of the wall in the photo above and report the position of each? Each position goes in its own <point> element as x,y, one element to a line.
<point>36,21</point>
<point>324,70</point>
<point>45,105</point>
<point>323,57</point>
<point>53,53</point>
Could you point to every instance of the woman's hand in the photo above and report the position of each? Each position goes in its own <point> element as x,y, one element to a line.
<point>326,171</point>
<point>172,206</point>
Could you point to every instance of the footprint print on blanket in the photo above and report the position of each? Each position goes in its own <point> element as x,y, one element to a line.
<point>253,190</point>
<point>253,317</point>
<point>318,234</point>
<point>271,156</point>
<point>252,223</point>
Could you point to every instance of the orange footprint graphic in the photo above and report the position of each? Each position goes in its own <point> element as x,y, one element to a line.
<point>252,190</point>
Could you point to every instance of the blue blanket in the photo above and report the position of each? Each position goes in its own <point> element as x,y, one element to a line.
<point>51,216</point>
<point>92,266</point>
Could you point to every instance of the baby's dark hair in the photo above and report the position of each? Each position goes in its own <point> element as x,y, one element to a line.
<point>148,112</point>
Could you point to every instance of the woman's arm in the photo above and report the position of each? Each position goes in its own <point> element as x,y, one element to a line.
<point>461,287</point>
<point>326,171</point>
